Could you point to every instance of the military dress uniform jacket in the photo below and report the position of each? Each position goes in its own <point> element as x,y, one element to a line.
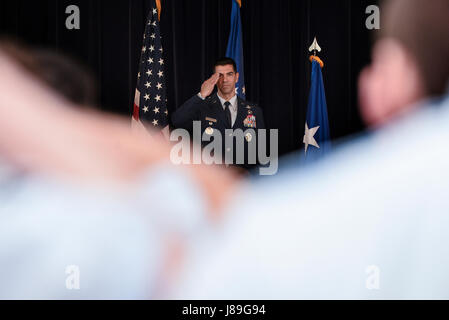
<point>213,117</point>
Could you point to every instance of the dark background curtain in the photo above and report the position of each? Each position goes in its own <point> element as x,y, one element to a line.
<point>277,35</point>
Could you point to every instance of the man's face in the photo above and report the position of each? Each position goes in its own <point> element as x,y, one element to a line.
<point>228,79</point>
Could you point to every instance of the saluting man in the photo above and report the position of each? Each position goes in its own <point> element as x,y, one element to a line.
<point>221,111</point>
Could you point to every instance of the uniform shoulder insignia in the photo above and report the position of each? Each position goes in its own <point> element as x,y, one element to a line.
<point>214,98</point>
<point>210,99</point>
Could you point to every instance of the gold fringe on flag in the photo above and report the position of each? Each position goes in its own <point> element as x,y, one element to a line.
<point>239,2</point>
<point>159,9</point>
<point>317,59</point>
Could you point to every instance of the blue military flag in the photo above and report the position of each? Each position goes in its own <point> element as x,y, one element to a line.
<point>316,136</point>
<point>235,46</point>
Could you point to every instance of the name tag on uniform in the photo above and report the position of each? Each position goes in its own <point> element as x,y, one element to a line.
<point>211,119</point>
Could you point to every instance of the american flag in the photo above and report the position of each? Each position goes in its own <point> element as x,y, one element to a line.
<point>150,102</point>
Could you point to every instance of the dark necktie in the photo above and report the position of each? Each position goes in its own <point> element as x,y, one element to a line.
<point>228,113</point>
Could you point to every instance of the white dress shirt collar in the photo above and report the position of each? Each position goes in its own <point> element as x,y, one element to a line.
<point>233,101</point>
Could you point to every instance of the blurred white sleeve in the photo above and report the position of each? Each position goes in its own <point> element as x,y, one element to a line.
<point>66,242</point>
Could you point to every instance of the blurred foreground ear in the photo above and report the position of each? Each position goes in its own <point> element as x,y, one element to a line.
<point>391,85</point>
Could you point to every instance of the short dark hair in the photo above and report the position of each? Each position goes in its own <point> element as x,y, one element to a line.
<point>67,76</point>
<point>225,61</point>
<point>423,28</point>
<point>64,75</point>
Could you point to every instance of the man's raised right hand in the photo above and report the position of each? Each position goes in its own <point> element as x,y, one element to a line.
<point>208,85</point>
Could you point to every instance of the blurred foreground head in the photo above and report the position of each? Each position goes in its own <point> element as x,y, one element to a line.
<point>410,59</point>
<point>64,75</point>
<point>44,132</point>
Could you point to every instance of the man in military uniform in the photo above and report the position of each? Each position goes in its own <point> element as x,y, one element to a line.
<point>224,110</point>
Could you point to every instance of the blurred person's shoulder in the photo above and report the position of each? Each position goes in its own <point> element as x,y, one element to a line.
<point>426,127</point>
<point>8,175</point>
